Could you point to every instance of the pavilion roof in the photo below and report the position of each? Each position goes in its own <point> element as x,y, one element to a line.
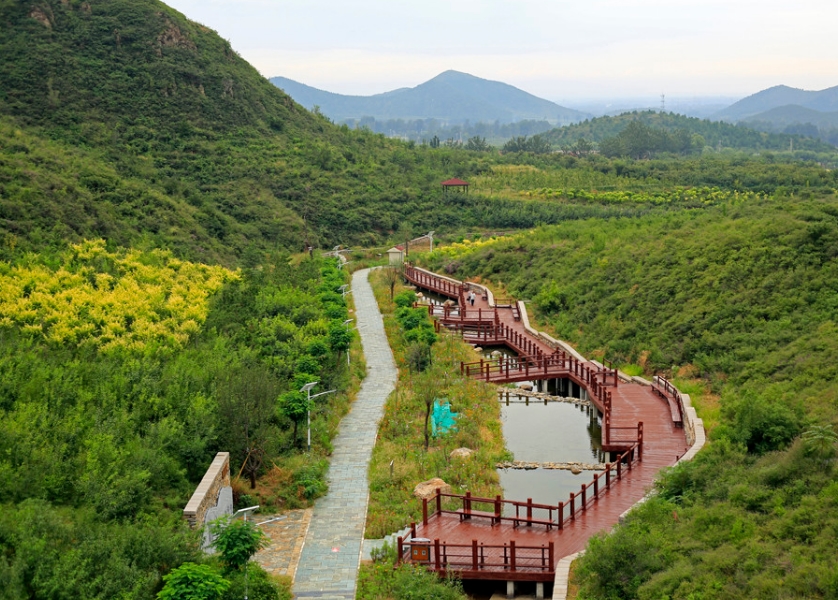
<point>454,181</point>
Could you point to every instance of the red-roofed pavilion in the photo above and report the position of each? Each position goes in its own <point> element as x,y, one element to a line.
<point>456,184</point>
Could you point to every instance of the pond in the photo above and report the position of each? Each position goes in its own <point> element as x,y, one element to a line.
<point>548,432</point>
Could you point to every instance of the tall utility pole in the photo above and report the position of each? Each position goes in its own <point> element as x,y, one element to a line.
<point>663,103</point>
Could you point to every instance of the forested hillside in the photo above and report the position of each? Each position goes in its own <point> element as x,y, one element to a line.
<point>126,119</point>
<point>716,135</point>
<point>740,297</point>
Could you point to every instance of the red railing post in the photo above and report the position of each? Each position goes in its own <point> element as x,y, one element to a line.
<point>583,506</point>
<point>561,516</point>
<point>512,555</point>
<point>551,554</point>
<point>640,441</point>
<point>400,544</point>
<point>497,507</point>
<point>572,506</point>
<point>607,475</point>
<point>474,564</point>
<point>438,502</point>
<point>413,529</point>
<point>437,558</point>
<point>529,512</point>
<point>596,486</point>
<point>424,511</point>
<point>619,468</point>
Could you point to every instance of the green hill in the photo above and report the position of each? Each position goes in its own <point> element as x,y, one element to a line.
<point>715,134</point>
<point>139,108</point>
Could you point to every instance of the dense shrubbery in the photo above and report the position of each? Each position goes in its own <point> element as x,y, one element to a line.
<point>101,445</point>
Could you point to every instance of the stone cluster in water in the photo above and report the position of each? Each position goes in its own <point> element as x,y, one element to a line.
<point>573,466</point>
<point>502,390</point>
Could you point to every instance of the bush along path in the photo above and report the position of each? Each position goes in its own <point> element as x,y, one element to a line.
<point>330,558</point>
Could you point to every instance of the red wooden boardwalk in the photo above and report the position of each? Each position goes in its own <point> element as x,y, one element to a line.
<point>479,547</point>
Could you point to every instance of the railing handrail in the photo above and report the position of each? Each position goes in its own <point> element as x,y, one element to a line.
<point>670,390</point>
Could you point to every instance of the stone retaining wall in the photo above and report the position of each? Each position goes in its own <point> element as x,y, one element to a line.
<point>208,491</point>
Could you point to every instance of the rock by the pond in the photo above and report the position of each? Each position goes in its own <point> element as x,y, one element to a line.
<point>427,489</point>
<point>525,386</point>
<point>573,467</point>
<point>449,303</point>
<point>462,453</point>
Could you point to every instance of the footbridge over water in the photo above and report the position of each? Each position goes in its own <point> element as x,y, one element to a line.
<point>648,425</point>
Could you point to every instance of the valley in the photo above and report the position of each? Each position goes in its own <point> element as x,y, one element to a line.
<point>169,225</point>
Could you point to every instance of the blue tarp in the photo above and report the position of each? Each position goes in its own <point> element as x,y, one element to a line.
<point>442,419</point>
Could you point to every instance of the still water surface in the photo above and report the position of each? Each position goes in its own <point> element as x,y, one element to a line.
<point>551,432</point>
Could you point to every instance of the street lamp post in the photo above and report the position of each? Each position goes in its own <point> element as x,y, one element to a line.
<point>307,389</point>
<point>346,323</point>
<point>431,238</point>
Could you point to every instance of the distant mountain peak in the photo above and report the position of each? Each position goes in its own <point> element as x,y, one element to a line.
<point>452,96</point>
<point>779,96</point>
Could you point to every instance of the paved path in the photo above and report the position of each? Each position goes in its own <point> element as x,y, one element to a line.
<point>287,534</point>
<point>329,563</point>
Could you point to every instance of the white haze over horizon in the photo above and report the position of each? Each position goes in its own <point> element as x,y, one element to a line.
<point>556,49</point>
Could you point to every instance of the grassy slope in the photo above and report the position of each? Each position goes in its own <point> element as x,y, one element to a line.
<point>745,297</point>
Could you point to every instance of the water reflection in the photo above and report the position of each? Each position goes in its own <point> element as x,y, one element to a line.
<point>540,431</point>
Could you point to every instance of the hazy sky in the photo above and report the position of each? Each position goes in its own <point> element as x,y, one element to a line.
<point>556,49</point>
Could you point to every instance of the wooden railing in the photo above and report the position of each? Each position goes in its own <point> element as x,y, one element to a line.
<point>434,283</point>
<point>460,314</point>
<point>608,370</point>
<point>529,513</point>
<point>671,394</point>
<point>476,557</point>
<point>498,333</point>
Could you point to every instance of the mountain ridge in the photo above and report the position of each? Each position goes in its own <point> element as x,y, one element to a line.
<point>451,96</point>
<point>777,96</point>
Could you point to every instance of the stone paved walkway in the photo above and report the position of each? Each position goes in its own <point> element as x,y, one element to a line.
<point>330,558</point>
<point>287,535</point>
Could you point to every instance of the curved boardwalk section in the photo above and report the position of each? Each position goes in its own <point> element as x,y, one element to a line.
<point>329,562</point>
<point>481,538</point>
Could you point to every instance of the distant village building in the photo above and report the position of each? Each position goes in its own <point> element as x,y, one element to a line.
<point>396,255</point>
<point>454,185</point>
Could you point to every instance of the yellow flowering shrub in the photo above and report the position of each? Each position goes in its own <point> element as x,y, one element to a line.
<point>109,300</point>
<point>458,249</point>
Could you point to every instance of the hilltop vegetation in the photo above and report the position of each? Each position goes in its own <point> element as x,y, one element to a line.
<point>699,133</point>
<point>741,296</point>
